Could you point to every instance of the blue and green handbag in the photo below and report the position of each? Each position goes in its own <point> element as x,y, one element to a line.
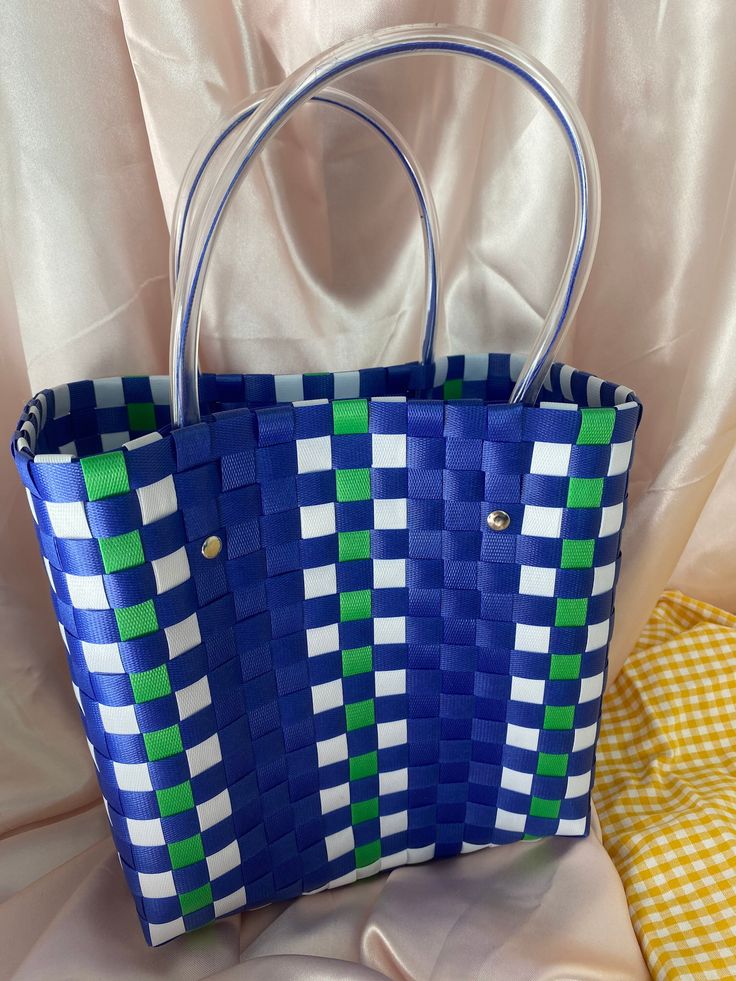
<point>323,625</point>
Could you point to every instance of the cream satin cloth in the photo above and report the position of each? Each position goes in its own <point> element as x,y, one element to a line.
<point>317,267</point>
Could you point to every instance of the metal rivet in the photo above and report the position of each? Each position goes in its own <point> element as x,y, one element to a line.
<point>498,521</point>
<point>211,547</point>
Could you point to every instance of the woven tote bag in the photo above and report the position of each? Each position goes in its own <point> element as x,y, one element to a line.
<point>323,625</point>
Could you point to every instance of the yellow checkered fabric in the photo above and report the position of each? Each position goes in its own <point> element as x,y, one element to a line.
<point>666,788</point>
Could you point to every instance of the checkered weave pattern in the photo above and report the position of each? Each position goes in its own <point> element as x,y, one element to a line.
<point>666,788</point>
<point>366,675</point>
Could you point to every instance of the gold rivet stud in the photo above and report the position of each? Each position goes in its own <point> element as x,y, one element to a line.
<point>498,521</point>
<point>211,547</point>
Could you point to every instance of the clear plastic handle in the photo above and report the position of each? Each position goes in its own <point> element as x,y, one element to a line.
<point>334,64</point>
<point>188,207</point>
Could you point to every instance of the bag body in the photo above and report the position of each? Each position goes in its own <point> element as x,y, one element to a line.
<point>333,628</point>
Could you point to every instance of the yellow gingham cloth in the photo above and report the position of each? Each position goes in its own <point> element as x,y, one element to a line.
<point>666,788</point>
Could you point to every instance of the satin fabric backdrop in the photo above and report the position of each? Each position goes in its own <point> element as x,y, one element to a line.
<point>318,267</point>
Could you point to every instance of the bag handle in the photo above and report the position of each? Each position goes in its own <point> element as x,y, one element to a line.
<point>223,129</point>
<point>307,81</point>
